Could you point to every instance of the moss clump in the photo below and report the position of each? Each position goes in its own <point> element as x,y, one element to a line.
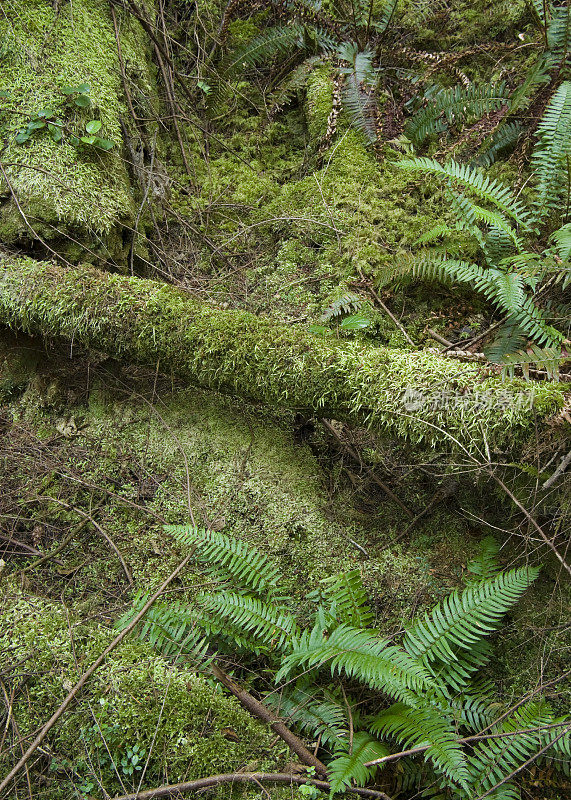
<point>66,190</point>
<point>182,722</point>
<point>419,395</point>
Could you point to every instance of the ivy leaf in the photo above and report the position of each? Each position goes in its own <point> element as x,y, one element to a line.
<point>355,322</point>
<point>93,126</point>
<point>22,137</point>
<point>55,132</point>
<point>82,101</point>
<point>89,139</point>
<point>104,144</point>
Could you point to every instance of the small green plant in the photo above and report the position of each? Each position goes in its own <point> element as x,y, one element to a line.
<point>52,121</point>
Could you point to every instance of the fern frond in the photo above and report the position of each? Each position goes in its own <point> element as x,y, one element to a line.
<point>463,618</point>
<point>493,759</point>
<point>344,303</point>
<point>456,106</point>
<point>322,717</point>
<point>549,158</point>
<point>505,289</point>
<point>347,598</point>
<point>506,136</point>
<point>548,359</point>
<point>486,188</point>
<point>509,339</point>
<point>243,563</point>
<point>274,42</point>
<point>537,76</point>
<point>285,92</point>
<point>349,768</point>
<point>385,16</point>
<point>486,565</point>
<point>562,241</point>
<point>559,29</point>
<point>171,628</point>
<point>269,626</point>
<point>360,107</point>
<point>361,655</point>
<point>425,725</point>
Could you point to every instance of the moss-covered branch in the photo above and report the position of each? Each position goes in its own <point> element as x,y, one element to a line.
<point>413,394</point>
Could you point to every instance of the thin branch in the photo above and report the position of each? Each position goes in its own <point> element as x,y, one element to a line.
<point>178,789</point>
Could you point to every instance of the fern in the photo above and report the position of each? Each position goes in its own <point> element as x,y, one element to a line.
<point>485,187</point>
<point>502,139</point>
<point>322,716</point>
<point>275,42</point>
<point>171,628</point>
<point>550,157</point>
<point>485,565</point>
<point>385,16</point>
<point>358,654</point>
<point>350,767</point>
<point>412,727</point>
<point>456,105</point>
<point>548,359</point>
<point>241,562</point>
<point>505,289</point>
<point>462,619</point>
<point>493,759</point>
<point>347,598</point>
<point>268,625</point>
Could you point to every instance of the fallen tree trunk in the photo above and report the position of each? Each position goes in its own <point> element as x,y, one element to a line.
<point>417,395</point>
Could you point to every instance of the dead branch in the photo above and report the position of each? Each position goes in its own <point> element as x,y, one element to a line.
<point>180,789</point>
<point>260,711</point>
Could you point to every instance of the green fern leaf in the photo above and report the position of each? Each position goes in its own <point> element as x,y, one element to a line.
<point>361,655</point>
<point>244,564</point>
<point>349,767</point>
<point>347,598</point>
<point>551,154</point>
<point>485,187</point>
<point>323,717</point>
<point>269,626</point>
<point>463,618</point>
<point>425,725</point>
<point>486,565</point>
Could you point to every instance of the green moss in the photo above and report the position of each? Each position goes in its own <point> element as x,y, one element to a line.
<point>179,719</point>
<point>418,395</point>
<point>68,190</point>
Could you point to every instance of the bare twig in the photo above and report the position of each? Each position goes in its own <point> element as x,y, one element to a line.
<point>46,728</point>
<point>532,520</point>
<point>178,789</point>
<point>389,492</point>
<point>565,461</point>
<point>98,528</point>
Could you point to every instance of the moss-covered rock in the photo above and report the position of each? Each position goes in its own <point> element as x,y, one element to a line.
<point>68,192</point>
<point>180,725</point>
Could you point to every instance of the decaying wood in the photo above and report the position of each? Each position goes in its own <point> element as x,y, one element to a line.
<point>260,711</point>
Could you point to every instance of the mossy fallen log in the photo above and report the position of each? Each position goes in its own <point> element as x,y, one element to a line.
<point>417,395</point>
